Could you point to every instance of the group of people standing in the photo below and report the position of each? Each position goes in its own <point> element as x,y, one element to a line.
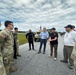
<point>9,45</point>
<point>52,39</point>
<point>9,48</point>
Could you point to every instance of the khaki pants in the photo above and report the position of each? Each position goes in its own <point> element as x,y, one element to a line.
<point>67,51</point>
<point>74,67</point>
<point>55,50</point>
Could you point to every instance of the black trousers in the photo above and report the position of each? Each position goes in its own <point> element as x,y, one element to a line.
<point>31,43</point>
<point>15,49</point>
<point>43,41</point>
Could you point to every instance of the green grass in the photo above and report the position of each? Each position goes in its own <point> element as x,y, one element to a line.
<point>22,38</point>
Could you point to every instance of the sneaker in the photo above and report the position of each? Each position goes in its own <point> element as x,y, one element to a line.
<point>39,52</point>
<point>55,59</point>
<point>50,56</point>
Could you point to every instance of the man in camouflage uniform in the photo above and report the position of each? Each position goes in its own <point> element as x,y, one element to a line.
<point>16,43</point>
<point>7,50</point>
<point>2,68</point>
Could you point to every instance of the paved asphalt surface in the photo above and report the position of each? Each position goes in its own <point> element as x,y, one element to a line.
<point>31,63</point>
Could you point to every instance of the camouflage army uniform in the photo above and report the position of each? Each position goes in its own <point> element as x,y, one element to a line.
<point>7,51</point>
<point>2,68</point>
<point>15,35</point>
<point>73,56</point>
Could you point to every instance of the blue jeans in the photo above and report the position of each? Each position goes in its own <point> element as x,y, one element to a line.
<point>43,41</point>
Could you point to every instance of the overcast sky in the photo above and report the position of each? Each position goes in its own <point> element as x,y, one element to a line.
<point>31,14</point>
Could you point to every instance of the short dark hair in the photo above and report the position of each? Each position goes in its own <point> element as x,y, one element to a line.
<point>15,28</point>
<point>7,23</point>
<point>53,29</point>
<point>73,26</point>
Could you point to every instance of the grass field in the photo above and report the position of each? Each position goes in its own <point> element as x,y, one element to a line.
<point>22,38</point>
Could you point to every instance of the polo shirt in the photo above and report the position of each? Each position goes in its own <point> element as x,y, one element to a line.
<point>53,36</point>
<point>70,38</point>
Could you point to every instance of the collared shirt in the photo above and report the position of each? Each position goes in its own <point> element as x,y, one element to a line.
<point>44,35</point>
<point>70,38</point>
<point>53,36</point>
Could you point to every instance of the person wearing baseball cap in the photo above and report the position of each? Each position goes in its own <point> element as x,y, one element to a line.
<point>73,27</point>
<point>53,43</point>
<point>69,26</point>
<point>69,43</point>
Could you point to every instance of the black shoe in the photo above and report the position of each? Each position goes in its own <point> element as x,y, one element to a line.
<point>34,49</point>
<point>29,49</point>
<point>71,67</point>
<point>64,61</point>
<point>39,52</point>
<point>43,52</point>
<point>18,55</point>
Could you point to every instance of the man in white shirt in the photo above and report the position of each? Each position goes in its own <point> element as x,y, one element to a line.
<point>69,43</point>
<point>44,36</point>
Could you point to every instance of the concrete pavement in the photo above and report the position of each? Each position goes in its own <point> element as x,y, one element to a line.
<point>32,63</point>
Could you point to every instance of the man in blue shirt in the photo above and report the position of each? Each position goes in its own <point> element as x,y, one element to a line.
<point>44,36</point>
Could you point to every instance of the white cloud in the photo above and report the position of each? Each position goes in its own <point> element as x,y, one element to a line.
<point>28,14</point>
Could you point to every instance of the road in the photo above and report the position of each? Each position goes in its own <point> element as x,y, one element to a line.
<point>32,63</point>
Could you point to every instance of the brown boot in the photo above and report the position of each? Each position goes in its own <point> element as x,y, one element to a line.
<point>12,69</point>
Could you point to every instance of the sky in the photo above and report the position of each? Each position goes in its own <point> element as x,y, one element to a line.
<point>31,14</point>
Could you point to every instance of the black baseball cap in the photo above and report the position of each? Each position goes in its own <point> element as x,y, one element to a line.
<point>53,29</point>
<point>69,26</point>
